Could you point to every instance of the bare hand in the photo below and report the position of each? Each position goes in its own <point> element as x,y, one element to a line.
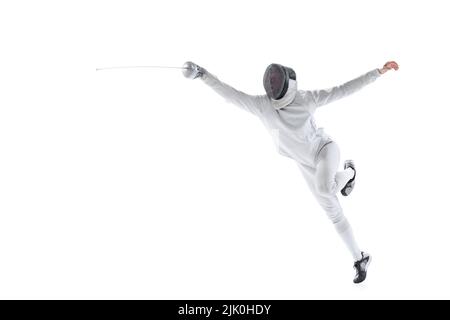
<point>388,66</point>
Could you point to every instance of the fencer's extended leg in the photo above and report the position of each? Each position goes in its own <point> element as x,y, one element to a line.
<point>330,203</point>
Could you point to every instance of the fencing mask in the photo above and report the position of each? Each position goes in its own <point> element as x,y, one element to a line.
<point>276,80</point>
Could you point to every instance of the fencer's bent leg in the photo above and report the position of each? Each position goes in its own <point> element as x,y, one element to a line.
<point>330,203</point>
<point>328,180</point>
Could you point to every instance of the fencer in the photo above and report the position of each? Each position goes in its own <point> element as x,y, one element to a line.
<point>290,112</point>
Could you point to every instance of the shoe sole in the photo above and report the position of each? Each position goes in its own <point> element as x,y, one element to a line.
<point>350,184</point>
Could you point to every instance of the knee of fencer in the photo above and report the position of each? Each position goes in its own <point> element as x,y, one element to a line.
<point>325,188</point>
<point>335,215</point>
<point>340,223</point>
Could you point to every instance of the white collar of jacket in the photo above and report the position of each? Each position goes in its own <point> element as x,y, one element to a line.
<point>288,97</point>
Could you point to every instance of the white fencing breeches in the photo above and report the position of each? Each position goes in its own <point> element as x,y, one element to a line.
<point>325,181</point>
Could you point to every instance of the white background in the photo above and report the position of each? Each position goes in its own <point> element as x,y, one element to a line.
<point>143,184</point>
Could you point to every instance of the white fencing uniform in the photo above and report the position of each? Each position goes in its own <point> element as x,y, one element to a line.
<point>299,139</point>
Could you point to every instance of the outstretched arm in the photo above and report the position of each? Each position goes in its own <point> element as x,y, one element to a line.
<point>245,101</point>
<point>325,96</point>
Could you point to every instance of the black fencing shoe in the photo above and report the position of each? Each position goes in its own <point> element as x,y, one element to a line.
<point>351,183</point>
<point>361,267</point>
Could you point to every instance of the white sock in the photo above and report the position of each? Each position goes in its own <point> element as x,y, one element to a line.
<point>346,233</point>
<point>342,177</point>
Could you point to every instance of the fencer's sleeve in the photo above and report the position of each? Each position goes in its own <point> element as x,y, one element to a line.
<point>250,103</point>
<point>325,96</point>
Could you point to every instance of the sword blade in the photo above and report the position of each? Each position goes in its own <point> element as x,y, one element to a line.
<point>138,67</point>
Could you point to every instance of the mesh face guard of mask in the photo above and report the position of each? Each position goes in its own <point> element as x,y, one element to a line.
<point>276,80</point>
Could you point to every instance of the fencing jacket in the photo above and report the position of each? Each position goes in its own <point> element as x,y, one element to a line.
<point>292,126</point>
